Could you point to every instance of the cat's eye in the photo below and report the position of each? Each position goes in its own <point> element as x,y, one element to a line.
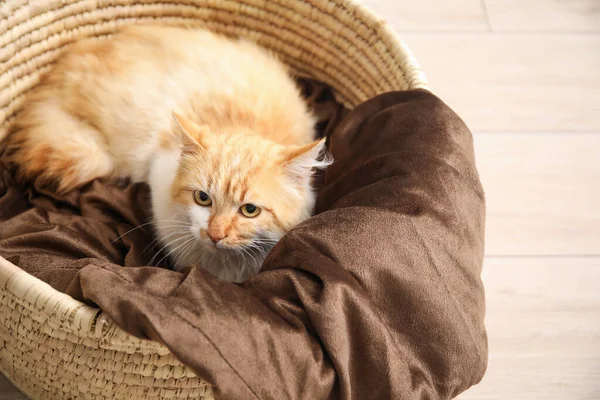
<point>250,210</point>
<point>202,198</point>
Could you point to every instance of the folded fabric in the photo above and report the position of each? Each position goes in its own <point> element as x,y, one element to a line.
<point>378,296</point>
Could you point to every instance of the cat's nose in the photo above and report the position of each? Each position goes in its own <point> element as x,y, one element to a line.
<point>216,237</point>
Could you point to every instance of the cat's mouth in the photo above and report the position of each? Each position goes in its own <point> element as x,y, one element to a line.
<point>224,246</point>
<point>259,247</point>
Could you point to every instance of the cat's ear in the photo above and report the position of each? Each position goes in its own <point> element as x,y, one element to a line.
<point>301,162</point>
<point>191,134</point>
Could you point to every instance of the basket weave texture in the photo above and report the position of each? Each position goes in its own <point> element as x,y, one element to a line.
<point>54,347</point>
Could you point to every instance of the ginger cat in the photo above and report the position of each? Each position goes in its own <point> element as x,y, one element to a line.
<point>215,126</point>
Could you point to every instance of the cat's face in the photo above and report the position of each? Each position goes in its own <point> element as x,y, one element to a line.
<point>242,192</point>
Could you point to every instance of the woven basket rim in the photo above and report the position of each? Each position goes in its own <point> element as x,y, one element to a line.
<point>72,315</point>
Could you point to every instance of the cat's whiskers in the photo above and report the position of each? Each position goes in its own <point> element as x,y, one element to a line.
<point>174,229</point>
<point>245,253</point>
<point>164,247</point>
<point>146,224</point>
<point>190,239</point>
<point>158,241</point>
<point>131,230</point>
<point>264,244</point>
<point>184,252</point>
<point>177,250</point>
<point>255,252</point>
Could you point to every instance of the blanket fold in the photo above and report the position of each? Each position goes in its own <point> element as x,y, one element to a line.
<point>378,296</point>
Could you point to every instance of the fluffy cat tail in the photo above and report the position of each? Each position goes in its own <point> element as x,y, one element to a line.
<point>56,149</point>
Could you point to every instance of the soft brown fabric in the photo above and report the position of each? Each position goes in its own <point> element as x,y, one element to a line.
<point>376,297</point>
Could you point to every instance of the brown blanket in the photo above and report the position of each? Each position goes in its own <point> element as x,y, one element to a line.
<point>376,297</point>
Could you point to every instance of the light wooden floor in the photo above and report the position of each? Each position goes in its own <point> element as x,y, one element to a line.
<point>525,76</point>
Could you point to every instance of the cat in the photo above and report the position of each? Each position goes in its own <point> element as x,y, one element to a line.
<point>215,126</point>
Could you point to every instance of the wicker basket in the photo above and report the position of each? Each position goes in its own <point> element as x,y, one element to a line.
<point>54,347</point>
